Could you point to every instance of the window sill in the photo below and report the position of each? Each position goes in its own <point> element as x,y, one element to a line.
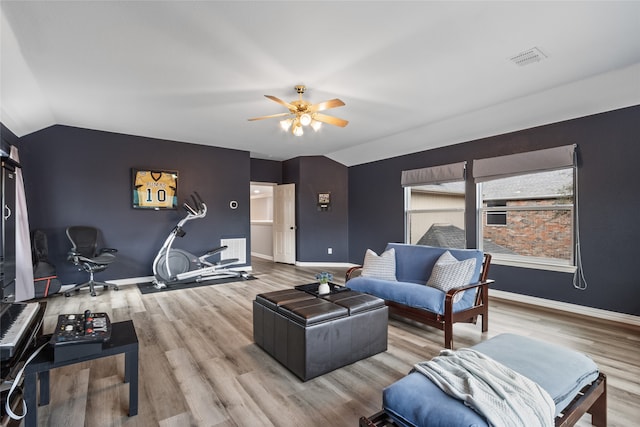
<point>534,264</point>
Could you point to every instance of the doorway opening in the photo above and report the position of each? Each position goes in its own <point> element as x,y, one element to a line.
<point>262,220</point>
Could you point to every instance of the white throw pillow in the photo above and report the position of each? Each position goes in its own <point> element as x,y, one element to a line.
<point>449,273</point>
<point>380,267</point>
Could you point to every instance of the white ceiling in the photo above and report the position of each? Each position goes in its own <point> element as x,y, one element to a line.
<point>414,75</point>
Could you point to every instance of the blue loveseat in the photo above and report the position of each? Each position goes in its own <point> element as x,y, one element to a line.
<point>409,296</point>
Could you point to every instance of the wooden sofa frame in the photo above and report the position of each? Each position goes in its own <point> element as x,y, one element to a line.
<point>591,399</point>
<point>445,321</point>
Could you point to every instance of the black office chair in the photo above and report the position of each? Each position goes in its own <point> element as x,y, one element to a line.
<point>85,255</point>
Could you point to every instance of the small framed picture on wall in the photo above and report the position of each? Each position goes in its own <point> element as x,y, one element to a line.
<point>324,201</point>
<point>154,189</point>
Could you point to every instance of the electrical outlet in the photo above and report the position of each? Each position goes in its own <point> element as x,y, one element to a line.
<point>329,251</point>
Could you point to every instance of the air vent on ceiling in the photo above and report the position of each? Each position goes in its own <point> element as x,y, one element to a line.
<point>528,57</point>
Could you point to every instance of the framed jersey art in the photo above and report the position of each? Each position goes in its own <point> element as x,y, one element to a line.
<point>155,189</point>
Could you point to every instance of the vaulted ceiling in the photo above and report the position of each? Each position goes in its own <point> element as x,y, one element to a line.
<point>414,75</point>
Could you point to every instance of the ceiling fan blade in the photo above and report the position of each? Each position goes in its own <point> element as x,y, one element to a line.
<point>330,120</point>
<point>269,117</point>
<point>281,102</point>
<point>332,103</point>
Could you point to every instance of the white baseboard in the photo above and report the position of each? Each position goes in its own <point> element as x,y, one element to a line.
<point>596,313</point>
<point>325,264</point>
<point>308,264</point>
<point>119,282</point>
<point>131,281</point>
<point>144,279</point>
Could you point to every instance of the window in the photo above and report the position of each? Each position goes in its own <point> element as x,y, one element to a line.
<point>435,206</point>
<point>495,217</point>
<point>527,218</point>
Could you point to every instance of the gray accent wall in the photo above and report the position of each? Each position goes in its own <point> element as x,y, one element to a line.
<point>77,176</point>
<point>609,205</point>
<point>80,176</point>
<point>317,230</point>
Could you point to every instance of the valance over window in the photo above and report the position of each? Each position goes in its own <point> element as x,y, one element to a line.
<point>434,175</point>
<point>521,163</point>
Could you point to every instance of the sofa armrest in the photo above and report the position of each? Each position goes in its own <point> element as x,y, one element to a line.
<point>482,295</point>
<point>353,272</point>
<point>452,292</point>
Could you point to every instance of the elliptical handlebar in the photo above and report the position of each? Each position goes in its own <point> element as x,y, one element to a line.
<point>200,207</point>
<point>197,200</point>
<point>189,209</point>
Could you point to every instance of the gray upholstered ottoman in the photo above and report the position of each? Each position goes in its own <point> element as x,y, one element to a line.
<point>311,336</point>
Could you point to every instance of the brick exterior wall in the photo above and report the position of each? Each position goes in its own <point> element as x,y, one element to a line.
<point>544,234</point>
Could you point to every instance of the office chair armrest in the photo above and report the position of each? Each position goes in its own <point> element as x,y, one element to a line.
<point>72,254</point>
<point>108,250</point>
<point>76,257</point>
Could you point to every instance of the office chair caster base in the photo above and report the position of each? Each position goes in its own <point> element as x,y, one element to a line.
<point>92,288</point>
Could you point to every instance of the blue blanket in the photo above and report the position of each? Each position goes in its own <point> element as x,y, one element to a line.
<point>501,395</point>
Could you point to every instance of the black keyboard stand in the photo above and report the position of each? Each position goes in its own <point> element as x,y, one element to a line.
<point>123,340</point>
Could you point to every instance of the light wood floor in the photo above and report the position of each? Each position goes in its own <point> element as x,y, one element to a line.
<point>200,367</point>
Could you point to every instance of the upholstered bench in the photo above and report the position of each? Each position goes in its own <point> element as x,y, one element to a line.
<point>312,335</point>
<point>571,378</point>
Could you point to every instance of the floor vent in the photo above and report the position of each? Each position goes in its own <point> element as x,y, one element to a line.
<point>528,57</point>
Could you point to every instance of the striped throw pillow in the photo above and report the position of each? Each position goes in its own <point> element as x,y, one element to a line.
<point>449,273</point>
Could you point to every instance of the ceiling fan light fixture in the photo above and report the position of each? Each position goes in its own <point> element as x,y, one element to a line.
<point>305,119</point>
<point>285,124</point>
<point>303,113</point>
<point>316,125</point>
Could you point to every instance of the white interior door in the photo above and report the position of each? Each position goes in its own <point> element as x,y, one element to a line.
<point>284,223</point>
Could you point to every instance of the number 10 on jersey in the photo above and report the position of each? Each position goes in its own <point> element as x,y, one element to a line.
<point>155,189</point>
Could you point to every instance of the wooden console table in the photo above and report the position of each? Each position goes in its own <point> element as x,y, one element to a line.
<point>123,340</point>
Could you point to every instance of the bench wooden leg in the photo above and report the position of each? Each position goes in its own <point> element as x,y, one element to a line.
<point>598,410</point>
<point>379,419</point>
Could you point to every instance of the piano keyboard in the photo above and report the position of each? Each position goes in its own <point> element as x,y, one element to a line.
<point>15,322</point>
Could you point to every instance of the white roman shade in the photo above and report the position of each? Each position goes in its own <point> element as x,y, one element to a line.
<point>434,175</point>
<point>521,163</point>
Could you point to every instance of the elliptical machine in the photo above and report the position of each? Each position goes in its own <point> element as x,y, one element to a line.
<point>179,266</point>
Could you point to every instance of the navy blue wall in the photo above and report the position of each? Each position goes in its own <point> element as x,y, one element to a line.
<point>80,176</point>
<point>266,171</point>
<point>609,204</point>
<point>319,230</point>
<point>8,138</point>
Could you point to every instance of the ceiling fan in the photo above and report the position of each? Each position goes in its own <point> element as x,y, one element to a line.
<point>303,113</point>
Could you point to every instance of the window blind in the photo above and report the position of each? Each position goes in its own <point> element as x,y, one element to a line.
<point>434,174</point>
<point>520,163</point>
